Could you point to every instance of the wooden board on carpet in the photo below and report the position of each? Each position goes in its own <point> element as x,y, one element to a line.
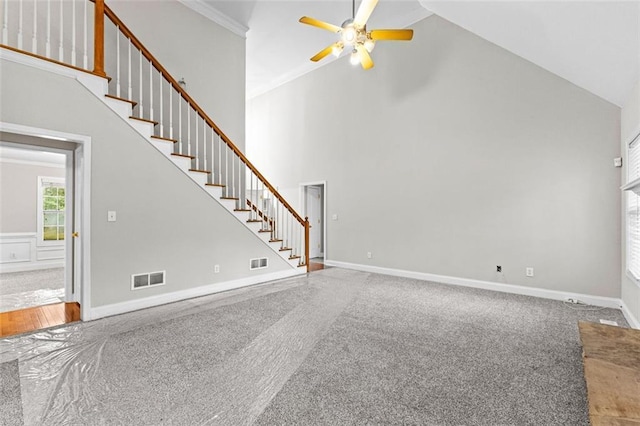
<point>611,358</point>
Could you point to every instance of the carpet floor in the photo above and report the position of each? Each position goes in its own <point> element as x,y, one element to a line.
<point>333,347</point>
<point>19,290</point>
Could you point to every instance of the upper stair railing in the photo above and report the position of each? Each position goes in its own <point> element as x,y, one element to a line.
<point>60,31</point>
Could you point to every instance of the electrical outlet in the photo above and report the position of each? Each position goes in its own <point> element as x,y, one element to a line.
<point>498,268</point>
<point>368,255</point>
<point>571,300</point>
<point>216,269</point>
<point>529,272</point>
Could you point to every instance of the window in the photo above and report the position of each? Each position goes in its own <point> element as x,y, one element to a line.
<point>633,208</point>
<point>51,210</point>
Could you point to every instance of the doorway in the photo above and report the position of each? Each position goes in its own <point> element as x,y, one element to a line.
<point>43,207</point>
<point>314,207</point>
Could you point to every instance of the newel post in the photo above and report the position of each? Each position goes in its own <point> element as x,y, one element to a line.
<point>98,39</point>
<point>306,242</point>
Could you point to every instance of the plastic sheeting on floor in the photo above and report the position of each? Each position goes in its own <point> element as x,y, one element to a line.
<point>28,299</point>
<point>215,359</point>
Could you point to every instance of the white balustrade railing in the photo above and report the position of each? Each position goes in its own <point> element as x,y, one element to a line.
<point>59,30</point>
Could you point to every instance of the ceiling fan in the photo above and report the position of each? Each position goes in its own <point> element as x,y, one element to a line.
<point>354,35</point>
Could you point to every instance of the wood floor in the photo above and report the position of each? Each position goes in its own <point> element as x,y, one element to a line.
<point>315,266</point>
<point>39,317</point>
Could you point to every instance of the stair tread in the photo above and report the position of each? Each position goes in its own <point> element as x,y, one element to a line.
<point>241,210</point>
<point>164,139</point>
<point>216,184</point>
<point>155,123</point>
<point>229,198</point>
<point>275,240</point>
<point>184,156</point>
<point>285,249</point>
<point>300,265</point>
<point>254,221</point>
<point>200,171</point>
<point>294,257</point>
<point>265,230</point>
<point>133,103</point>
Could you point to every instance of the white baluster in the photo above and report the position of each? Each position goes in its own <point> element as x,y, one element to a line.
<point>20,25</point>
<point>226,168</point>
<point>161,119</point>
<point>180,123</point>
<point>48,43</point>
<point>129,83</point>
<point>188,129</point>
<point>60,46</point>
<point>150,91</point>
<point>5,24</point>
<point>34,40</point>
<point>73,33</point>
<point>117,61</point>
<point>197,162</point>
<point>85,55</point>
<point>170,112</point>
<point>219,160</point>
<point>141,84</point>
<point>204,144</point>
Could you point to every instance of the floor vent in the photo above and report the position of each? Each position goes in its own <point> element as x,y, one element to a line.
<point>259,263</point>
<point>150,279</point>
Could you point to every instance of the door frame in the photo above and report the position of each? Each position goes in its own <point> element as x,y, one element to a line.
<point>303,209</point>
<point>78,173</point>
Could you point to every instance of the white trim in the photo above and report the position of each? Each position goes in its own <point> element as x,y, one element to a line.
<point>633,321</point>
<point>82,173</point>
<point>607,302</point>
<point>303,205</point>
<point>32,163</point>
<point>213,14</point>
<point>176,296</point>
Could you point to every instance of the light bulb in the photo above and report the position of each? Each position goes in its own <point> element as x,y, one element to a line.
<point>369,45</point>
<point>337,50</point>
<point>355,58</point>
<point>349,35</point>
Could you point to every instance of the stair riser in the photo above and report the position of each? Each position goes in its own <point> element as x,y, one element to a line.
<point>165,148</point>
<point>123,109</point>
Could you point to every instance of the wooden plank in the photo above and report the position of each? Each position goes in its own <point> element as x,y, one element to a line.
<point>617,345</point>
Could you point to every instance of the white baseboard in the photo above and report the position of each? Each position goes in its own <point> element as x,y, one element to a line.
<point>606,302</point>
<point>632,320</point>
<point>162,299</point>
<point>17,267</point>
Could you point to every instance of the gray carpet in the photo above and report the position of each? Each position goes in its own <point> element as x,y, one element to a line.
<point>20,290</point>
<point>10,398</point>
<point>337,347</point>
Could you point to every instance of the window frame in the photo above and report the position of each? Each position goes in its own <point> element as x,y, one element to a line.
<point>40,211</point>
<point>632,188</point>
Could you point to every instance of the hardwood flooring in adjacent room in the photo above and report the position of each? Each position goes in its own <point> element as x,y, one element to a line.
<point>39,317</point>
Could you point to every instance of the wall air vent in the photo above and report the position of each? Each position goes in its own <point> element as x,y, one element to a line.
<point>259,263</point>
<point>146,280</point>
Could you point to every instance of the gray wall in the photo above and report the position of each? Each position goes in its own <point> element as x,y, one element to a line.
<point>630,126</point>
<point>19,194</point>
<point>165,221</point>
<point>450,157</point>
<point>210,58</point>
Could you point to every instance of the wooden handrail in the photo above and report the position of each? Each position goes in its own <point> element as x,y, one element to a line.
<point>98,38</point>
<point>156,64</point>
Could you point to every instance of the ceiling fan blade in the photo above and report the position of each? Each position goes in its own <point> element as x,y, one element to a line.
<point>324,52</point>
<point>365,58</point>
<point>320,24</point>
<point>391,34</point>
<point>364,12</point>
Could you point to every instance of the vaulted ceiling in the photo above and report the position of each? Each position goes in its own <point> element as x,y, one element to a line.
<point>593,44</point>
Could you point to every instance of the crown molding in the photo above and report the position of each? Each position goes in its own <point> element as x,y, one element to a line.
<point>213,14</point>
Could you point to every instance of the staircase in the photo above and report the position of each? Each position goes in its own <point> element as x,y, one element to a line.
<point>128,78</point>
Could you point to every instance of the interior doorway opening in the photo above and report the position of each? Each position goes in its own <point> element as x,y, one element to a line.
<point>314,207</point>
<point>43,205</point>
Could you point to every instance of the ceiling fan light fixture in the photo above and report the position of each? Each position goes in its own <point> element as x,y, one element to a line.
<point>349,35</point>
<point>369,45</point>
<point>355,57</point>
<point>337,49</point>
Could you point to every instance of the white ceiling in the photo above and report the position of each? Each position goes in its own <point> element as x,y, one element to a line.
<point>593,44</point>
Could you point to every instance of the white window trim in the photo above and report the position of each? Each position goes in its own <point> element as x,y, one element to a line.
<point>633,186</point>
<point>40,241</point>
